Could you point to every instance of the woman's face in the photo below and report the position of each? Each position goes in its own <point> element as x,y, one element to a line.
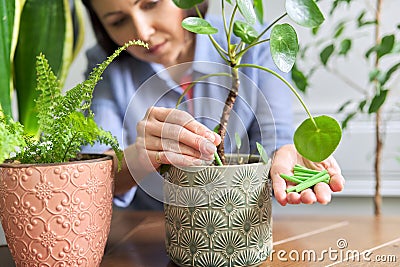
<point>156,22</point>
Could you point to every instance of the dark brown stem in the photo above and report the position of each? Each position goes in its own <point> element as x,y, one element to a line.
<point>378,134</point>
<point>230,100</point>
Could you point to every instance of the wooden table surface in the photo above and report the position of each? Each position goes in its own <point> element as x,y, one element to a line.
<point>137,240</point>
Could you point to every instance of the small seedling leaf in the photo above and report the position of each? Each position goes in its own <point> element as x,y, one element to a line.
<point>316,144</point>
<point>238,141</point>
<point>262,152</point>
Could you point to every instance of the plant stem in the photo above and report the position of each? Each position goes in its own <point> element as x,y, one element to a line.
<point>378,137</point>
<point>230,100</point>
<point>271,25</point>
<point>288,85</point>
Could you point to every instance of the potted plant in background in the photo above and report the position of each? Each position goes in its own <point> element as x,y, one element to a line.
<point>221,215</point>
<point>55,203</point>
<point>381,58</point>
<point>27,28</point>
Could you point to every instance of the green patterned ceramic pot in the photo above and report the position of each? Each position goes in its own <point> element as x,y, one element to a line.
<point>218,215</point>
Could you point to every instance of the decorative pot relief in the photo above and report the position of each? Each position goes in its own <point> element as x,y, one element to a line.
<point>57,214</point>
<point>218,216</point>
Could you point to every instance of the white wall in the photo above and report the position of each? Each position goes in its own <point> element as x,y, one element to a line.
<point>356,152</point>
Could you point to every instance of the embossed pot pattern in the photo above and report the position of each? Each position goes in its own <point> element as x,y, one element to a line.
<point>57,214</point>
<point>219,215</point>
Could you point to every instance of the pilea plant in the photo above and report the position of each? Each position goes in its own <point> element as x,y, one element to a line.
<point>381,61</point>
<point>63,125</point>
<point>317,137</point>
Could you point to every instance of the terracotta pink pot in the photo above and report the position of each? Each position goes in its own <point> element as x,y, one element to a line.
<point>57,214</point>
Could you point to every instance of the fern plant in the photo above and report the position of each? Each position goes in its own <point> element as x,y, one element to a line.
<point>64,127</point>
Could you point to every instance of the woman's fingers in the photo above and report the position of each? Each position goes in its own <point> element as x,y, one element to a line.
<point>191,127</point>
<point>171,136</point>
<point>168,157</point>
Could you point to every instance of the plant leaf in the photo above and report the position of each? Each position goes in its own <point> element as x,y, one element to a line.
<point>198,25</point>
<point>187,4</point>
<point>7,14</point>
<point>326,53</point>
<point>377,101</point>
<point>247,10</point>
<point>259,9</point>
<point>317,144</point>
<point>389,73</point>
<point>262,152</point>
<point>244,31</point>
<point>45,22</point>
<point>348,118</point>
<point>345,46</point>
<point>304,12</point>
<point>238,141</point>
<point>284,46</point>
<point>299,79</point>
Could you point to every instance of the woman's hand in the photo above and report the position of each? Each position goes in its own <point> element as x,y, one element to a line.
<point>171,136</point>
<point>284,160</point>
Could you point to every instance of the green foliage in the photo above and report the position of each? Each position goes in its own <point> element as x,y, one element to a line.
<point>64,127</point>
<point>283,48</point>
<point>10,137</point>
<point>381,57</point>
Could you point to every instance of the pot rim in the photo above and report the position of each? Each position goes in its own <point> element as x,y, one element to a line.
<point>190,168</point>
<point>97,158</point>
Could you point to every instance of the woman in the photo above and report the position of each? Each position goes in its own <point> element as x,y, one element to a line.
<point>164,135</point>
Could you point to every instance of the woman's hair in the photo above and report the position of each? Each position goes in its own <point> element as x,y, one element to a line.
<point>101,34</point>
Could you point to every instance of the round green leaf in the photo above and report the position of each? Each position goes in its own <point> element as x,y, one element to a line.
<point>198,25</point>
<point>304,12</point>
<point>317,144</point>
<point>187,4</point>
<point>245,32</point>
<point>284,46</point>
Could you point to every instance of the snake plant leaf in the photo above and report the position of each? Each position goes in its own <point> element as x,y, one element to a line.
<point>244,31</point>
<point>247,10</point>
<point>317,144</point>
<point>45,27</point>
<point>7,13</point>
<point>304,12</point>
<point>187,4</point>
<point>198,25</point>
<point>284,46</point>
<point>259,10</point>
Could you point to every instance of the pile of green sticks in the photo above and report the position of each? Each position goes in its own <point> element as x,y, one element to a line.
<point>305,178</point>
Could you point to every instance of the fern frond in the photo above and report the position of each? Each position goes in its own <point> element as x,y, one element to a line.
<point>80,96</point>
<point>11,137</point>
<point>49,87</point>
